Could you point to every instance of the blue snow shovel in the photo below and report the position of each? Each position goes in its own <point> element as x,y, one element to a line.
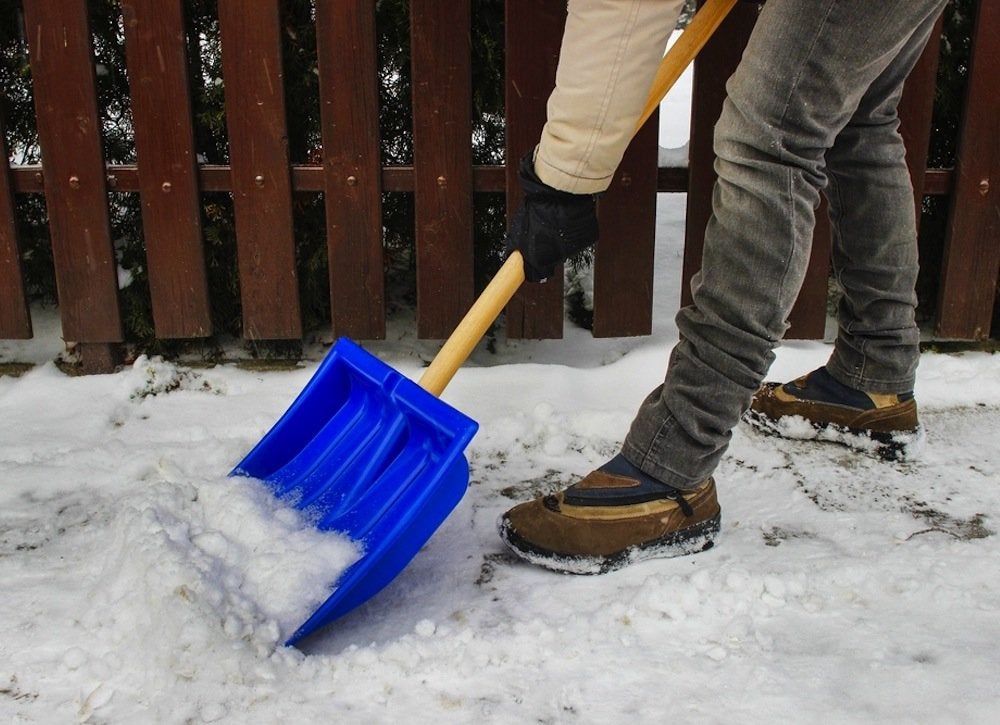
<point>368,453</point>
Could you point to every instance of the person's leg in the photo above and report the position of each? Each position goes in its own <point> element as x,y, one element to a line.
<point>875,237</point>
<point>805,72</point>
<point>863,397</point>
<point>610,52</point>
<point>608,59</point>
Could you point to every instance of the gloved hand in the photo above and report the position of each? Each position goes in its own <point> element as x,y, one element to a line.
<point>550,225</point>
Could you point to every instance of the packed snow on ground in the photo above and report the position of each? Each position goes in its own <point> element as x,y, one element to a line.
<point>142,584</point>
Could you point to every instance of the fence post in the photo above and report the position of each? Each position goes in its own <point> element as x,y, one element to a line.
<point>260,171</point>
<point>972,252</point>
<point>714,64</point>
<point>352,171</point>
<point>156,54</point>
<point>533,30</point>
<point>442,163</point>
<point>69,133</point>
<point>15,319</point>
<point>916,109</point>
<point>623,265</point>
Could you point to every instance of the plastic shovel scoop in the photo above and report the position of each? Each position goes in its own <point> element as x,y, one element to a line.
<point>369,454</point>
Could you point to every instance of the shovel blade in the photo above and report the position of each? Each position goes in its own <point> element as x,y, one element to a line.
<point>367,453</point>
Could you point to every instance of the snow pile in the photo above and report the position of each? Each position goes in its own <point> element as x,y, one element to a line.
<point>152,582</point>
<point>191,578</point>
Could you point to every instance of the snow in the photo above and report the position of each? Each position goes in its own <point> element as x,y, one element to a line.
<point>141,584</point>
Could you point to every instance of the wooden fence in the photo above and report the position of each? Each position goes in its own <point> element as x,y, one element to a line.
<point>76,180</point>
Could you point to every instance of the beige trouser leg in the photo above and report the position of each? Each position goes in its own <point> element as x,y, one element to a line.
<point>610,52</point>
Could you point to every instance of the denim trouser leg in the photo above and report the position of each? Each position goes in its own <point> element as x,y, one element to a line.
<point>814,97</point>
<point>874,239</point>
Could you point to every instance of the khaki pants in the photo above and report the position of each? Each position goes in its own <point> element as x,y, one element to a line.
<point>609,56</point>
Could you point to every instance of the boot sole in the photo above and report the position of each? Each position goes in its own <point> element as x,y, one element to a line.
<point>689,540</point>
<point>889,446</point>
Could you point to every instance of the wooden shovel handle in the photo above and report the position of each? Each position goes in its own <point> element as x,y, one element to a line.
<point>473,326</point>
<point>683,51</point>
<point>502,287</point>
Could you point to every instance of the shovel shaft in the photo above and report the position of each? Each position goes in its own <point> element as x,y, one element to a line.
<point>499,291</point>
<point>684,50</point>
<point>473,326</point>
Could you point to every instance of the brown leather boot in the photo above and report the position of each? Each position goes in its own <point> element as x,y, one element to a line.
<point>607,521</point>
<point>815,406</point>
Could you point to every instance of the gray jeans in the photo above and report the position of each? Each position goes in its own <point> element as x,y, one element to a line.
<point>811,107</point>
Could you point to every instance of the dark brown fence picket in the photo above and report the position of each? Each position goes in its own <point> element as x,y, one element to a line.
<point>348,62</point>
<point>715,63</point>
<point>623,264</point>
<point>972,252</point>
<point>533,30</point>
<point>15,318</point>
<point>916,109</point>
<point>69,133</point>
<point>261,176</point>
<point>156,52</point>
<point>442,162</point>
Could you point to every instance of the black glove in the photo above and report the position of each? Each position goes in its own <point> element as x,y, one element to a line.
<point>550,225</point>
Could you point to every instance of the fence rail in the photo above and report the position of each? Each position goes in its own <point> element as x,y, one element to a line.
<point>76,180</point>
